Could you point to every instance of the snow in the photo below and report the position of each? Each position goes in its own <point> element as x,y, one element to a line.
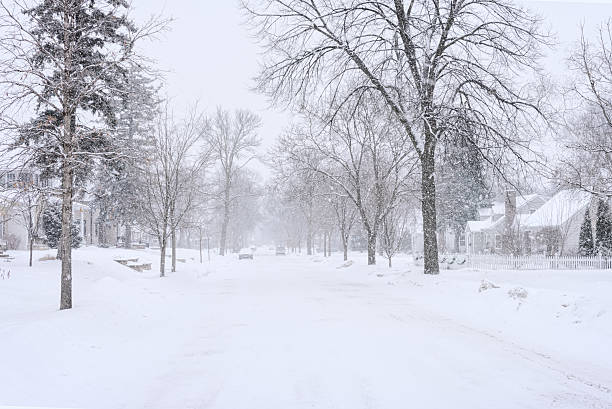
<point>300,332</point>
<point>559,209</point>
<point>478,225</point>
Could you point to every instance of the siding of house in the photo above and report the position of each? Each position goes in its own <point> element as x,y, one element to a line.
<point>572,229</point>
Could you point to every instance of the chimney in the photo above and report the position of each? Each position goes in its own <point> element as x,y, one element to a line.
<point>508,246</point>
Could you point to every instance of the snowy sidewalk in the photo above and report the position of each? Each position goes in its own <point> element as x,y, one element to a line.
<point>275,333</point>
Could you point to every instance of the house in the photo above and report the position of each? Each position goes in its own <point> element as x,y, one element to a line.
<point>538,226</point>
<point>20,197</point>
<point>491,233</point>
<point>555,227</point>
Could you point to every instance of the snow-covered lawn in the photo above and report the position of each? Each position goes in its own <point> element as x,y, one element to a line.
<point>300,332</point>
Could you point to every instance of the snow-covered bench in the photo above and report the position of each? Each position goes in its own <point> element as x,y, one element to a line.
<point>140,267</point>
<point>125,261</point>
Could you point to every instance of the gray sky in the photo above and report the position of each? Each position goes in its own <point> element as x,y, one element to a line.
<point>212,58</point>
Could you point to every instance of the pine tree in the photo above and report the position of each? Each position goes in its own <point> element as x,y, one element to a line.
<point>461,186</point>
<point>585,240</point>
<point>52,226</point>
<point>69,58</point>
<point>116,190</point>
<point>603,229</point>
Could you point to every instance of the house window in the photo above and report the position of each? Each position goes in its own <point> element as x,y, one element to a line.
<point>10,179</point>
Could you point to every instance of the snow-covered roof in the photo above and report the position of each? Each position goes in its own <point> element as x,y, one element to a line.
<point>559,209</point>
<point>485,212</point>
<point>523,200</point>
<point>519,220</point>
<point>499,206</point>
<point>478,225</point>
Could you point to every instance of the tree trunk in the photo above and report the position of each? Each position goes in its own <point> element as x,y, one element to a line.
<point>173,237</point>
<point>31,243</point>
<point>66,236</point>
<point>371,249</point>
<point>226,219</point>
<point>345,247</point>
<point>128,236</point>
<point>324,244</point>
<point>58,256</point>
<point>428,190</point>
<point>309,244</point>
<point>200,237</point>
<point>389,261</point>
<point>162,260</point>
<point>173,234</point>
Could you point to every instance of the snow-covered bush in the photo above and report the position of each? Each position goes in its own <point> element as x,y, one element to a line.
<point>518,293</point>
<point>486,285</point>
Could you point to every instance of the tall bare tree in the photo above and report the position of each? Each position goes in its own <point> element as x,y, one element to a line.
<point>170,178</point>
<point>435,64</point>
<point>32,200</point>
<point>589,163</point>
<point>361,154</point>
<point>233,139</point>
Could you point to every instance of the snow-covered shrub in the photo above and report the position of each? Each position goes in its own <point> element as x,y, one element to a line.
<point>486,285</point>
<point>12,242</point>
<point>518,293</point>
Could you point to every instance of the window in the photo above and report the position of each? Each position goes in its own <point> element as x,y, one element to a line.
<point>498,241</point>
<point>10,179</point>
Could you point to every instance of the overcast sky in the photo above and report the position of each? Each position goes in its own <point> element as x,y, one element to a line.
<point>211,57</point>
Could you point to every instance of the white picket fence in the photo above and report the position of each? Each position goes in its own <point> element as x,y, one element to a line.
<point>498,262</point>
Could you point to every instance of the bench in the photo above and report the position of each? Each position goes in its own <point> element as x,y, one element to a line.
<point>140,267</point>
<point>125,261</point>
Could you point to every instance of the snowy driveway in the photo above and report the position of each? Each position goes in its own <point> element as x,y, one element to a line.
<point>270,333</point>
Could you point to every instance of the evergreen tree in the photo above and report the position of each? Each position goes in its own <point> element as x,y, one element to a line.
<point>69,58</point>
<point>52,226</point>
<point>461,186</point>
<point>116,190</point>
<point>585,240</point>
<point>603,229</point>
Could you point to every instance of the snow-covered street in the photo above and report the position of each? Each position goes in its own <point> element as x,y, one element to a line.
<point>299,332</point>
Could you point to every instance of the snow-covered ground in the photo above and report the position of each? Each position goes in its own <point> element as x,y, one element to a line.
<point>302,332</point>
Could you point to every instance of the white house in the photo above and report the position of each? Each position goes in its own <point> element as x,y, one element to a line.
<point>555,227</point>
<point>486,236</point>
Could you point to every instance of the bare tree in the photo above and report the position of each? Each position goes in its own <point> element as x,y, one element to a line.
<point>395,231</point>
<point>32,199</point>
<point>435,65</point>
<point>345,213</point>
<point>361,154</point>
<point>589,162</point>
<point>170,177</point>
<point>233,138</point>
<point>299,187</point>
